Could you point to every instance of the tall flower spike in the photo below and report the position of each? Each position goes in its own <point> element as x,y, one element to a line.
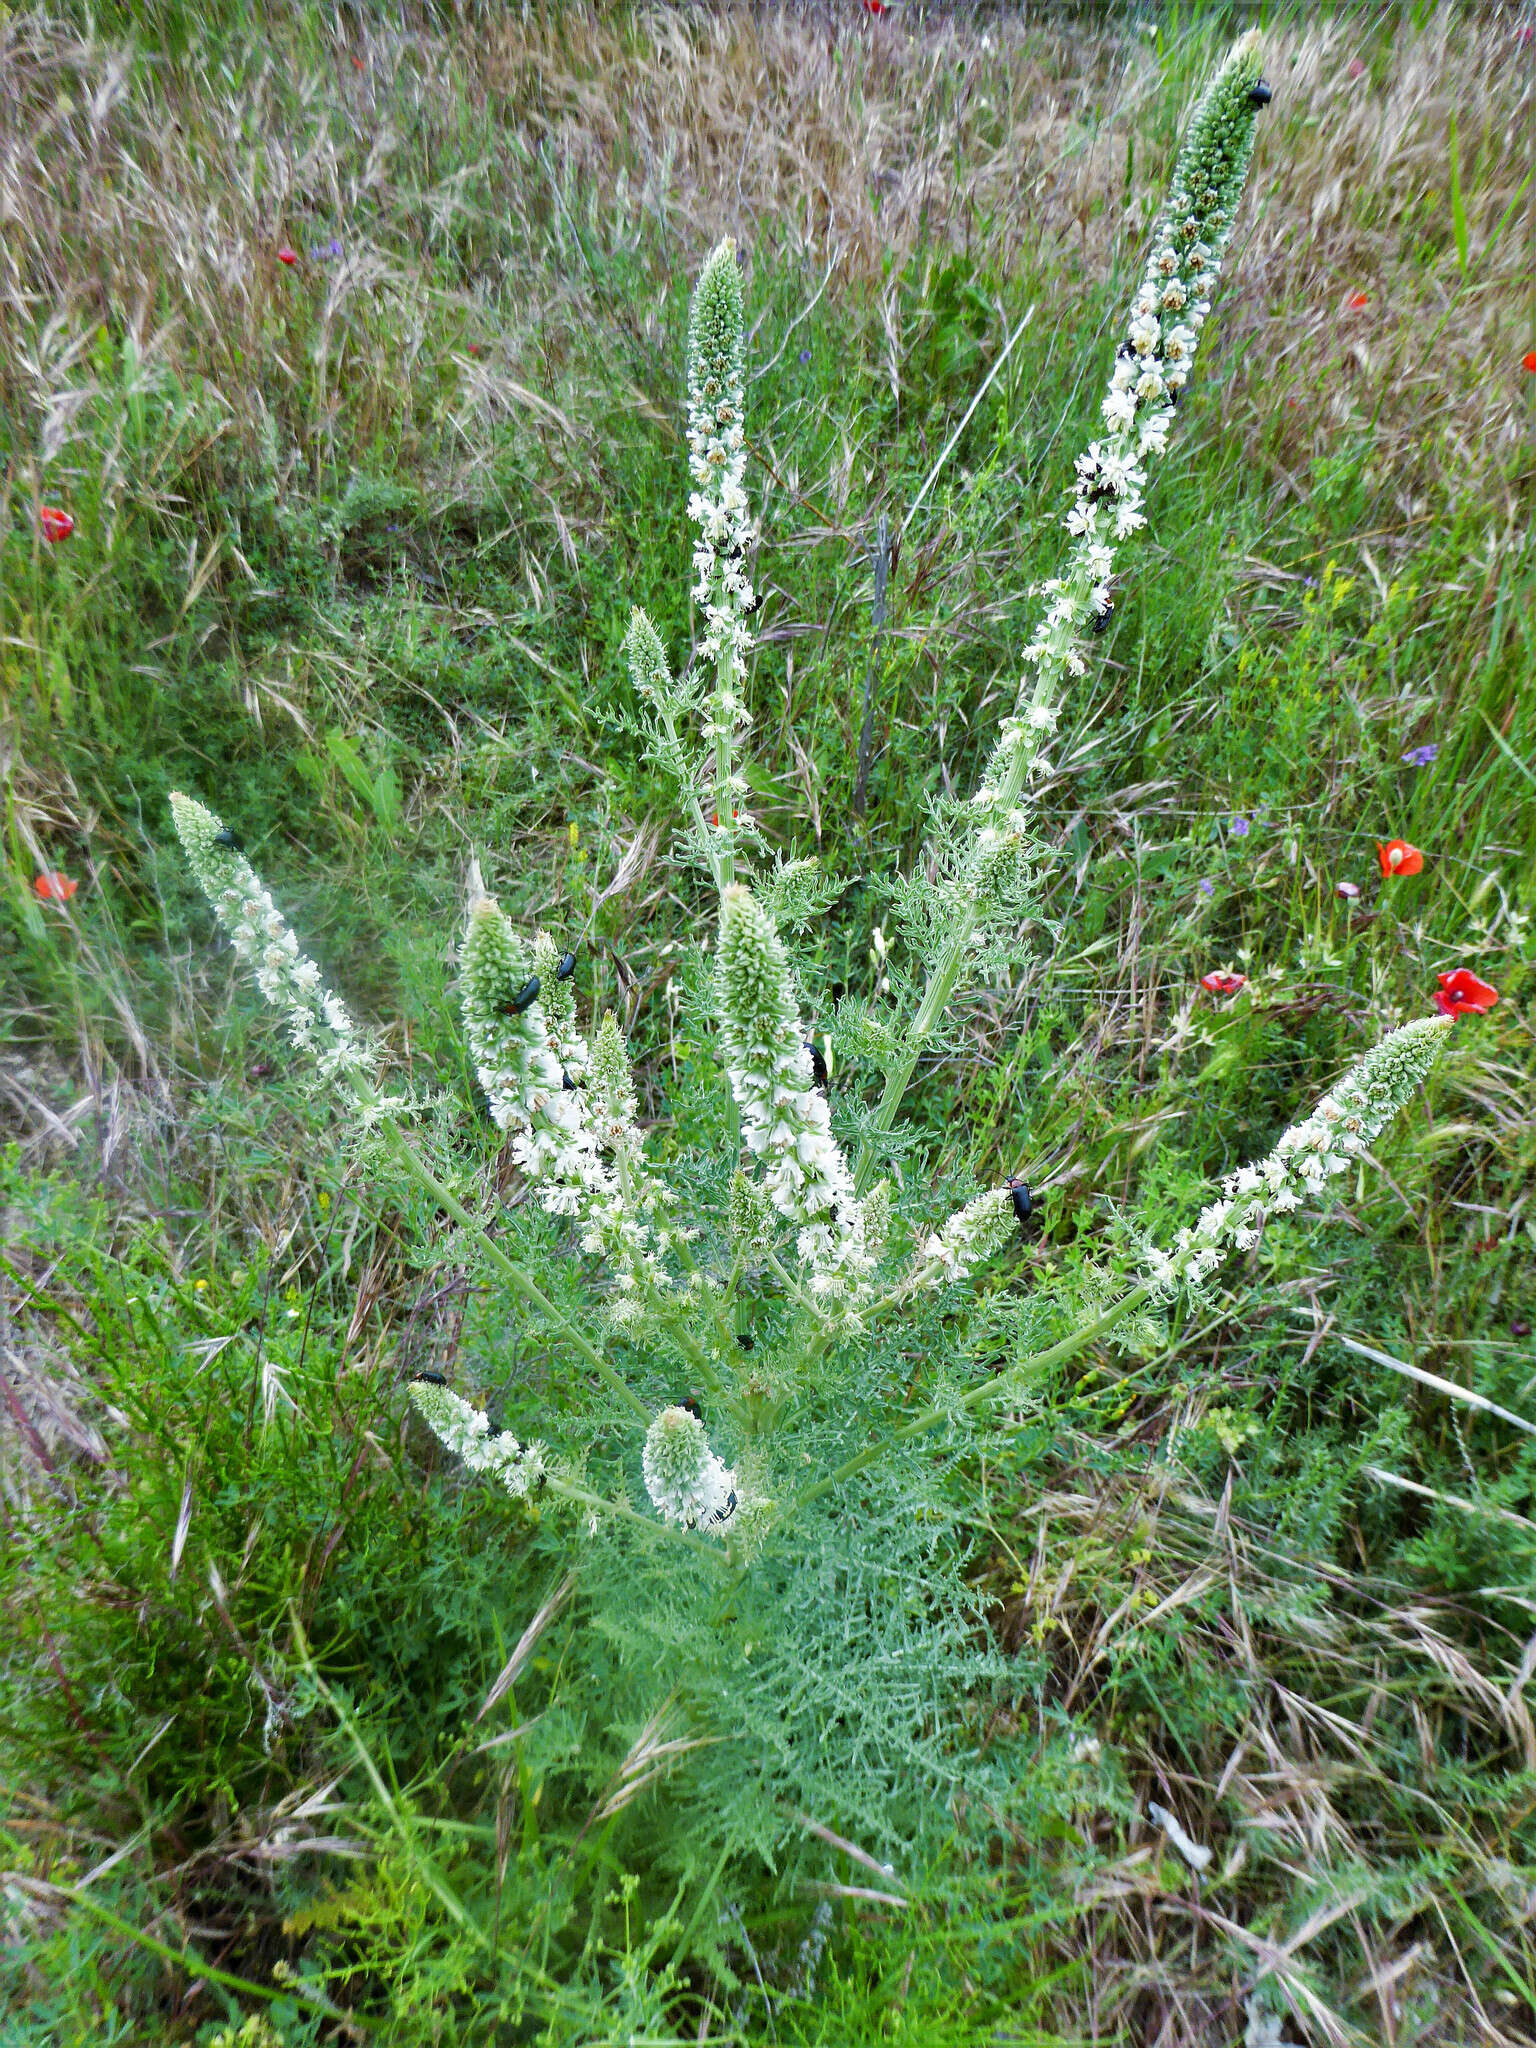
<point>971,1235</point>
<point>784,1118</point>
<point>717,457</point>
<point>686,1481</point>
<point>513,1058</point>
<point>557,994</point>
<point>468,1434</point>
<point>1152,366</point>
<point>1345,1123</point>
<point>317,1021</point>
<point>524,1055</point>
<point>627,1219</point>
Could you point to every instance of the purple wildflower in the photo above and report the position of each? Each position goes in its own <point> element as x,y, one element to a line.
<point>805,355</point>
<point>1420,757</point>
<point>1206,886</point>
<point>1241,828</point>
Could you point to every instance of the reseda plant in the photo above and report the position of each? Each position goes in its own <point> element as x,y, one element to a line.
<point>813,1466</point>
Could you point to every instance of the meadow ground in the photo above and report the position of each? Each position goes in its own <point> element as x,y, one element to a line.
<point>355,539</point>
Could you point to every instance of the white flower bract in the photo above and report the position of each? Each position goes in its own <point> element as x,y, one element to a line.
<point>318,1021</point>
<point>784,1118</point>
<point>687,1483</point>
<point>1345,1123</point>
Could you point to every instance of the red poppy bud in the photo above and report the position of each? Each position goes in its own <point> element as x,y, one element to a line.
<point>1223,984</point>
<point>54,524</point>
<point>1528,361</point>
<point>54,886</point>
<point>287,256</point>
<point>1357,300</point>
<point>1397,857</point>
<point>1462,991</point>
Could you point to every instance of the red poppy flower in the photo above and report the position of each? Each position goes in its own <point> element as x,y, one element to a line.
<point>287,256</point>
<point>55,887</point>
<point>1223,984</point>
<point>54,524</point>
<point>1397,857</point>
<point>1463,991</point>
<point>1528,361</point>
<point>876,7</point>
<point>1357,300</point>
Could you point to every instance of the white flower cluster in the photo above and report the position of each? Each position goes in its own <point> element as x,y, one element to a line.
<point>784,1119</point>
<point>972,1234</point>
<point>317,1020</point>
<point>717,458</point>
<point>467,1433</point>
<point>1151,368</point>
<point>509,1036</point>
<point>625,1205</point>
<point>571,1114</point>
<point>687,1483</point>
<point>1347,1120</point>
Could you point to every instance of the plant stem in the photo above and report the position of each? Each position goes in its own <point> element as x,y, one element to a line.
<point>989,1390</point>
<point>936,995</point>
<point>426,1179</point>
<point>946,972</point>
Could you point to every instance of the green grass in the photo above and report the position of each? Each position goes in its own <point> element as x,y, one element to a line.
<point>360,578</point>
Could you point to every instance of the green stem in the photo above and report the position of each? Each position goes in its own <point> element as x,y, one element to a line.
<point>514,1275</point>
<point>941,982</point>
<point>989,1390</point>
<point>935,997</point>
<point>653,1523</point>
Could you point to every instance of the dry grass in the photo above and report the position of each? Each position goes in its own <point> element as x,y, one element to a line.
<point>152,197</point>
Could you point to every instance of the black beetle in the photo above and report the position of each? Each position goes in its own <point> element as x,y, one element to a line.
<point>818,1065</point>
<point>225,837</point>
<point>1259,94</point>
<point>566,968</point>
<point>1100,620</point>
<point>528,993</point>
<point>1023,1207</point>
<point>433,1379</point>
